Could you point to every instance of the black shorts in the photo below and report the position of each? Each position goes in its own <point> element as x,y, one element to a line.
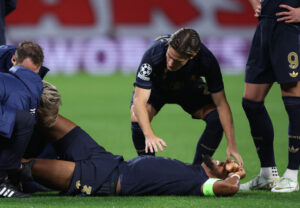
<point>274,54</point>
<point>190,100</point>
<point>96,170</point>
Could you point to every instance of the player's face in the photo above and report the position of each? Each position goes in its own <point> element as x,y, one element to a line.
<point>219,168</point>
<point>175,60</point>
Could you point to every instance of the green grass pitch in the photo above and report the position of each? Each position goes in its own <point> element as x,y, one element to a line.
<point>100,105</point>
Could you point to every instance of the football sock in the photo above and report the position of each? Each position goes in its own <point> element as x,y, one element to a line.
<point>269,172</point>
<point>210,138</point>
<point>292,174</point>
<point>292,106</point>
<point>139,139</point>
<point>261,131</point>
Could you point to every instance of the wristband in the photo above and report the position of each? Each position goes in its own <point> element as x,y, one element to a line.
<point>236,176</point>
<point>208,186</point>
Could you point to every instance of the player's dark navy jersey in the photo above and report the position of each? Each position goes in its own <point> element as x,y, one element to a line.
<point>6,53</point>
<point>149,175</point>
<point>20,89</point>
<point>270,7</point>
<point>153,74</point>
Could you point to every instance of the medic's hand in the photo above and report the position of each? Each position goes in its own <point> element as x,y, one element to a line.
<point>153,142</point>
<point>231,151</point>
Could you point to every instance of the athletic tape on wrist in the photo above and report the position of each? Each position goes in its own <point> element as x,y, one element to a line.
<point>208,187</point>
<point>235,175</point>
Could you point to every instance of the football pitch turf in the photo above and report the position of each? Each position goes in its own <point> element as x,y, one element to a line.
<point>100,105</point>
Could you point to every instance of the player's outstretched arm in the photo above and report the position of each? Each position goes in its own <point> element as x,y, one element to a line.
<point>140,100</point>
<point>292,15</point>
<point>225,116</point>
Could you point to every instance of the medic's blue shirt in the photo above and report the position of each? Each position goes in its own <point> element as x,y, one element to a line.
<point>6,53</point>
<point>152,72</point>
<point>20,89</point>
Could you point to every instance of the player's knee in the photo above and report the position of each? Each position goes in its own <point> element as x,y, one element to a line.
<point>252,106</point>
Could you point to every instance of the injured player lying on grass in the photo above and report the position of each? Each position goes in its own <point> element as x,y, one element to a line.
<point>86,168</point>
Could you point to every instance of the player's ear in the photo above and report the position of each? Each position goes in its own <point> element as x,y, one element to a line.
<point>14,60</point>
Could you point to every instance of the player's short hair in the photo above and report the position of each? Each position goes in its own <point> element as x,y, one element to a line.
<point>49,104</point>
<point>32,50</point>
<point>185,41</point>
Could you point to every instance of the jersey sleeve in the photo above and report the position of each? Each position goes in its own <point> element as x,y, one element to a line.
<point>213,75</point>
<point>144,72</point>
<point>7,115</point>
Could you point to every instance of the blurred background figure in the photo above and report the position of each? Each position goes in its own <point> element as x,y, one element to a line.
<point>111,35</point>
<point>6,7</point>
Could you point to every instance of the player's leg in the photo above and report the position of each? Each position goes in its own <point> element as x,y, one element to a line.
<point>12,150</point>
<point>291,99</point>
<point>212,134</point>
<point>258,81</point>
<point>199,104</point>
<point>260,122</point>
<point>263,135</point>
<point>56,174</point>
<point>153,106</point>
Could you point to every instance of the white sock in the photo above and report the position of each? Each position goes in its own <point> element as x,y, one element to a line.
<point>269,172</point>
<point>292,174</point>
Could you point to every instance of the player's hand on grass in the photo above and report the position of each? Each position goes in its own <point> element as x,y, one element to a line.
<point>292,15</point>
<point>234,153</point>
<point>153,143</point>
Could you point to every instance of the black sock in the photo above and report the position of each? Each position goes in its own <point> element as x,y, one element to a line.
<point>139,139</point>
<point>292,106</point>
<point>210,138</point>
<point>261,131</point>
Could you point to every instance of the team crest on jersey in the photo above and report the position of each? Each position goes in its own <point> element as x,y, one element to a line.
<point>145,72</point>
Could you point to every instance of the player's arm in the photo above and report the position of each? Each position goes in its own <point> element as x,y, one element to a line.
<point>225,116</point>
<point>227,187</point>
<point>292,15</point>
<point>10,5</point>
<point>256,7</point>
<point>140,99</point>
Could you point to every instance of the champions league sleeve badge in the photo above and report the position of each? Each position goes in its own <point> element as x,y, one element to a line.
<point>145,71</point>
